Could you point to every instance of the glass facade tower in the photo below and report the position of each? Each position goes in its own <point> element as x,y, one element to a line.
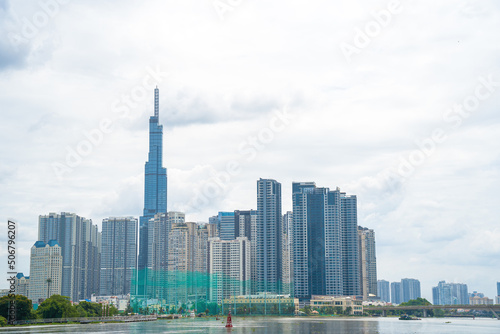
<point>155,182</point>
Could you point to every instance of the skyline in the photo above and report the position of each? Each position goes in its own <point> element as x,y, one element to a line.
<point>228,80</point>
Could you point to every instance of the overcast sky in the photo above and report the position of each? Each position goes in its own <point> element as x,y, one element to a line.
<point>336,92</point>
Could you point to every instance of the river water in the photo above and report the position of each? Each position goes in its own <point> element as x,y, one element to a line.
<point>281,325</point>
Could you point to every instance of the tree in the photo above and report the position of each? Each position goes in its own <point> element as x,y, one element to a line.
<point>348,310</point>
<point>49,281</point>
<point>89,309</point>
<point>24,308</point>
<point>3,321</point>
<point>57,306</point>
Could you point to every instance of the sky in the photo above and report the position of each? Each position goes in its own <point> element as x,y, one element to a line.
<point>393,101</point>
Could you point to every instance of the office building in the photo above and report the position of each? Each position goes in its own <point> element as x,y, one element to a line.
<point>325,242</point>
<point>268,237</point>
<point>118,255</point>
<point>450,294</point>
<point>229,268</point>
<point>368,262</point>
<point>410,289</point>
<point>383,291</point>
<point>155,182</point>
<point>226,225</point>
<point>498,288</point>
<point>80,243</point>
<point>396,293</point>
<point>46,269</point>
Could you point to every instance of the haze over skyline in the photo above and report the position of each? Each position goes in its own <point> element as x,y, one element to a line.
<point>286,90</point>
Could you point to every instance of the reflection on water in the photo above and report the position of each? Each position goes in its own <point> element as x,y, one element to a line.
<point>280,325</point>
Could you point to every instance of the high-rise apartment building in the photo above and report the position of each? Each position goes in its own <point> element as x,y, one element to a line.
<point>46,263</point>
<point>325,242</point>
<point>383,291</point>
<point>498,288</point>
<point>368,262</point>
<point>410,289</point>
<point>229,268</point>
<point>176,217</point>
<point>450,294</point>
<point>22,285</point>
<point>155,182</point>
<point>350,251</point>
<point>80,243</point>
<point>396,293</point>
<point>118,255</point>
<point>246,226</point>
<point>286,253</point>
<point>268,236</point>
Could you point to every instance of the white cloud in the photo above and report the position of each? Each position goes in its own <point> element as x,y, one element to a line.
<point>353,121</point>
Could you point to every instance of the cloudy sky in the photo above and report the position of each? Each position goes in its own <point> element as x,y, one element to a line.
<point>395,102</point>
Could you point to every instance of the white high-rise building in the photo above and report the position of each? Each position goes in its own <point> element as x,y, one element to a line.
<point>229,266</point>
<point>287,259</point>
<point>45,271</point>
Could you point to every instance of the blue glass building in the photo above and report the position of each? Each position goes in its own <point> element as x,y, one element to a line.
<point>226,226</point>
<point>155,182</point>
<point>325,245</point>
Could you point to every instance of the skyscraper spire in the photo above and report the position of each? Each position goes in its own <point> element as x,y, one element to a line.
<point>157,102</point>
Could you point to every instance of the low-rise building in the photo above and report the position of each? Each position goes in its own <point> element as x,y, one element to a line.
<point>356,306</point>
<point>261,303</point>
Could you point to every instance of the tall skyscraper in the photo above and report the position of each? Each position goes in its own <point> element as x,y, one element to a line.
<point>450,294</point>
<point>396,293</point>
<point>368,262</point>
<point>155,182</point>
<point>350,251</point>
<point>268,236</point>
<point>498,288</point>
<point>286,253</point>
<point>325,242</point>
<point>383,291</point>
<point>229,268</point>
<point>118,255</point>
<point>45,270</point>
<point>226,225</point>
<point>410,289</point>
<point>80,243</point>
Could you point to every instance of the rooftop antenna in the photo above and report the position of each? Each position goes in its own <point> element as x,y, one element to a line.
<point>157,103</point>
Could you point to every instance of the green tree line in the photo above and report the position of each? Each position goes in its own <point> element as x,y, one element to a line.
<point>54,307</point>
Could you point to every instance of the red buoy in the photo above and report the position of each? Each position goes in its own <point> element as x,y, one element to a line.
<point>229,323</point>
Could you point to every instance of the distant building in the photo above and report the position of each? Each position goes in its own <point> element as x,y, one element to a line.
<point>286,253</point>
<point>368,262</point>
<point>176,217</point>
<point>226,225</point>
<point>450,294</point>
<point>245,226</point>
<point>22,285</point>
<point>262,303</point>
<point>229,268</point>
<point>325,242</point>
<point>80,243</point>
<point>118,255</point>
<point>396,293</point>
<point>356,306</point>
<point>383,290</point>
<point>476,300</point>
<point>268,237</point>
<point>410,289</point>
<point>498,288</point>
<point>46,263</point>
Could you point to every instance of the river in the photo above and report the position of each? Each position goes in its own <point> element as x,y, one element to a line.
<point>281,325</point>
